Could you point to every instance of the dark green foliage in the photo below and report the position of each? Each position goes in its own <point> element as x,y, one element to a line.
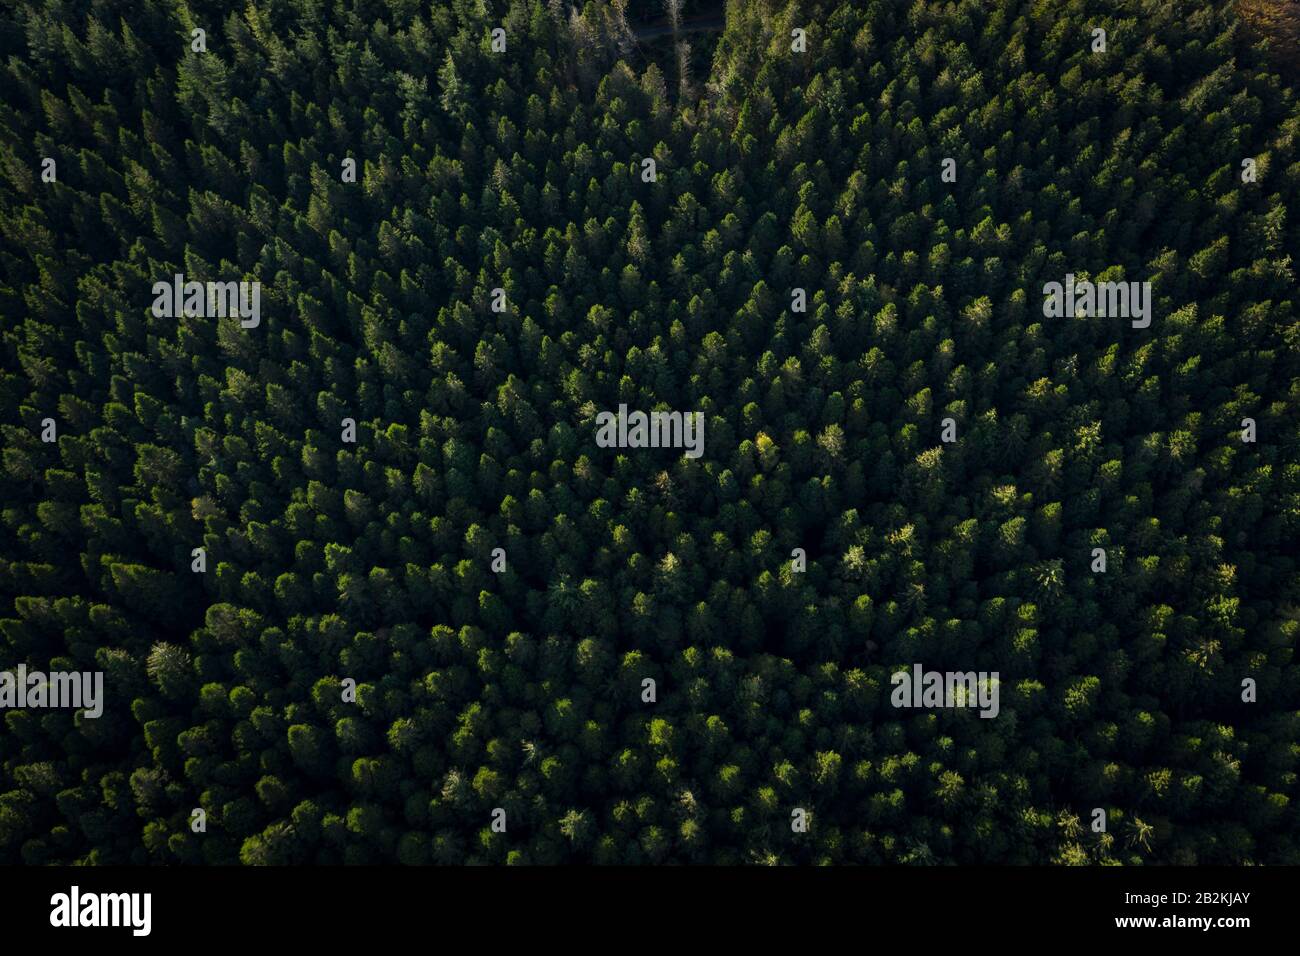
<point>522,690</point>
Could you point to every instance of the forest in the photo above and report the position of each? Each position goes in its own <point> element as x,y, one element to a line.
<point>362,585</point>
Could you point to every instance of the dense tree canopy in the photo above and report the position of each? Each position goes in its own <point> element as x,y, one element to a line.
<point>523,689</point>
